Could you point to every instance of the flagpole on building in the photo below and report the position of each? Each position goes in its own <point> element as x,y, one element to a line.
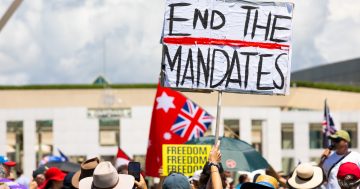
<point>218,115</point>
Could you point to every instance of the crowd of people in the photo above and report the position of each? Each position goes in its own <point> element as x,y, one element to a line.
<point>338,168</point>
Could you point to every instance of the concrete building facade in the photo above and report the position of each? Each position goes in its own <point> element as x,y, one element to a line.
<point>285,129</point>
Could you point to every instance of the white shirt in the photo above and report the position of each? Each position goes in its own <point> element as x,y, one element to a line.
<point>333,158</point>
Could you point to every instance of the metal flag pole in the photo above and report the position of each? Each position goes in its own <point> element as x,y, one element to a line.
<point>10,11</point>
<point>218,115</point>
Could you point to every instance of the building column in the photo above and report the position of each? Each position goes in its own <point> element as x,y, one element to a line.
<point>301,142</point>
<point>3,146</point>
<point>271,143</point>
<point>358,133</point>
<point>245,129</point>
<point>29,157</point>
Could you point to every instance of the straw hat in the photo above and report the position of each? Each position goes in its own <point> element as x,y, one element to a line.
<point>306,176</point>
<point>106,176</point>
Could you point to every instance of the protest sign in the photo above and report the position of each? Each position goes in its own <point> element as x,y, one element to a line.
<point>233,46</point>
<point>184,158</point>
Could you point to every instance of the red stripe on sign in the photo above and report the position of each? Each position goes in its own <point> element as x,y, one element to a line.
<point>223,42</point>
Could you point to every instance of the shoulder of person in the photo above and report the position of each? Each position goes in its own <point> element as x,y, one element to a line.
<point>354,153</point>
<point>332,157</point>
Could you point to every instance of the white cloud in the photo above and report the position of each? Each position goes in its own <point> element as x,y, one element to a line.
<point>340,37</point>
<point>62,41</point>
<point>14,79</point>
<point>342,10</point>
<point>308,22</point>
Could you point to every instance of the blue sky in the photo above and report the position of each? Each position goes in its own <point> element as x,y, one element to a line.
<point>62,41</point>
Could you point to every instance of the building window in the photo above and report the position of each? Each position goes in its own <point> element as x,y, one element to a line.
<point>15,141</point>
<point>315,136</point>
<point>351,128</point>
<point>287,136</point>
<point>256,134</point>
<point>288,164</point>
<point>44,132</point>
<point>109,132</point>
<point>231,128</point>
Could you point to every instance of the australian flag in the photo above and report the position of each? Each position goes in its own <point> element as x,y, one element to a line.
<point>328,126</point>
<point>191,122</point>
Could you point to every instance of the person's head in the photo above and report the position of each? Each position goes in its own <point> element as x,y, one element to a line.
<point>176,181</point>
<point>262,182</point>
<point>340,140</point>
<point>306,176</point>
<point>348,175</point>
<point>195,179</point>
<point>86,170</point>
<point>123,169</point>
<point>67,184</point>
<point>39,175</point>
<point>5,166</point>
<point>255,177</point>
<point>19,172</point>
<point>105,176</point>
<point>54,178</point>
<point>244,178</point>
<point>206,172</point>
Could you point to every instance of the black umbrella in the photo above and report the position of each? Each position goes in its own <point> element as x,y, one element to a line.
<point>65,166</point>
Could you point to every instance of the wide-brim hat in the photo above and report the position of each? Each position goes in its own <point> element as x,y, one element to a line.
<point>306,176</point>
<point>87,170</point>
<point>106,176</point>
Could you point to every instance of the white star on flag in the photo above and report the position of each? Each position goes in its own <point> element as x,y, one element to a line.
<point>165,102</point>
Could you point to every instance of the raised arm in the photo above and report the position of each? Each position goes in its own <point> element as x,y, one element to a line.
<point>214,160</point>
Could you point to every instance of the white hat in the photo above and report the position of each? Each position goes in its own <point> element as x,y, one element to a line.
<point>306,176</point>
<point>106,176</point>
<point>196,175</point>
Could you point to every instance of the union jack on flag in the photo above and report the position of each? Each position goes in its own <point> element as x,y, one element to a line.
<point>191,122</point>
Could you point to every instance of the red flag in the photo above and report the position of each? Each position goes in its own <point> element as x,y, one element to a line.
<point>122,158</point>
<point>175,120</point>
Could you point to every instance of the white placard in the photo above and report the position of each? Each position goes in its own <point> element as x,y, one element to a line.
<point>233,46</point>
